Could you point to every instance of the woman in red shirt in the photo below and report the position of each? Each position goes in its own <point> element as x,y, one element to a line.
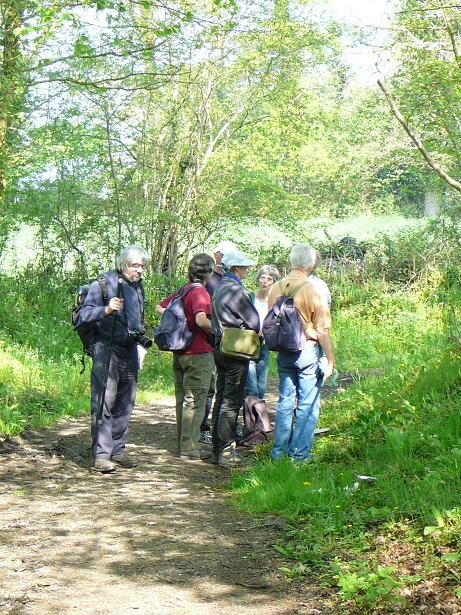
<point>192,367</point>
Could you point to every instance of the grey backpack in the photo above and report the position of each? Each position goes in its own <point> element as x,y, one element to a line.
<point>283,327</point>
<point>173,333</point>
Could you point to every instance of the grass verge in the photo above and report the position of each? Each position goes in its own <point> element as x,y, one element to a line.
<point>385,544</point>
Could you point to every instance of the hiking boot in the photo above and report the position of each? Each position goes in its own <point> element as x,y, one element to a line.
<point>231,458</point>
<point>105,466</point>
<point>205,437</point>
<point>195,455</point>
<point>124,460</point>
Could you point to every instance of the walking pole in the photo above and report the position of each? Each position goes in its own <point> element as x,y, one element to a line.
<point>106,376</point>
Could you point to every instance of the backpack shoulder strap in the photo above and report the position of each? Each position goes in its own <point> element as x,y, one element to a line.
<point>292,292</point>
<point>110,278</point>
<point>181,292</point>
<point>101,279</point>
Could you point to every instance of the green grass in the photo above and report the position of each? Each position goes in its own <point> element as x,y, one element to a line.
<point>35,391</point>
<point>402,426</point>
<point>361,227</point>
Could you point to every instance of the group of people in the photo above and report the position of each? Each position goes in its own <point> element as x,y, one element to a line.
<point>213,298</point>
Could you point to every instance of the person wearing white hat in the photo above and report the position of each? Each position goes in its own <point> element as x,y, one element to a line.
<point>232,308</point>
<point>221,248</point>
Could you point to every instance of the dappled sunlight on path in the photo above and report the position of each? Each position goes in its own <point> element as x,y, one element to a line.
<point>159,539</point>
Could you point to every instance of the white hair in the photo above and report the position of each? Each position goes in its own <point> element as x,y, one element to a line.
<point>303,255</point>
<point>131,254</point>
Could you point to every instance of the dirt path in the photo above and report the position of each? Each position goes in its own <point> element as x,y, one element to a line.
<point>160,539</point>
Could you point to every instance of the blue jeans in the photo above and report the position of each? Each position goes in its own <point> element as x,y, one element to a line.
<point>301,378</point>
<point>257,374</point>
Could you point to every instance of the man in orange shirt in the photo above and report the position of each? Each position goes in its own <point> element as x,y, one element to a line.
<point>301,376</point>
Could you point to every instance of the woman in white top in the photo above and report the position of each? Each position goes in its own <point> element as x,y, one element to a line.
<point>257,373</point>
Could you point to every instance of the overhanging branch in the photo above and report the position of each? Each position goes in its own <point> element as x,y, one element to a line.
<point>424,153</point>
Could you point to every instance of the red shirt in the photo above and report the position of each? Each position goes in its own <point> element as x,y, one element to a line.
<point>197,300</point>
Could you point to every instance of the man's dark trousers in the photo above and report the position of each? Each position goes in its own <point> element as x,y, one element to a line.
<point>119,398</point>
<point>230,392</point>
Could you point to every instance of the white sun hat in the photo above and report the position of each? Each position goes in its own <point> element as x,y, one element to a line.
<point>225,246</point>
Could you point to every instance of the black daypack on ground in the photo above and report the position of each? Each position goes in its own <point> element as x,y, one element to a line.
<point>283,327</point>
<point>173,333</point>
<point>85,330</point>
<point>257,427</point>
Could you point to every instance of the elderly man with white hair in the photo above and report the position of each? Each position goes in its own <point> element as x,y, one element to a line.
<point>116,313</point>
<point>300,374</point>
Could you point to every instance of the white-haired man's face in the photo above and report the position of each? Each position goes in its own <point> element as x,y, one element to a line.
<point>134,270</point>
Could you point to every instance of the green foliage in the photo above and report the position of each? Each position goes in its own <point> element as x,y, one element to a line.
<point>36,390</point>
<point>398,422</point>
<point>40,353</point>
<point>373,589</point>
<point>426,78</point>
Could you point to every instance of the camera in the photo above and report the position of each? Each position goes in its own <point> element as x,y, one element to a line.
<point>139,336</point>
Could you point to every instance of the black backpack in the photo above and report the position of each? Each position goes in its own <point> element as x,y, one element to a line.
<point>283,327</point>
<point>173,333</point>
<point>85,330</point>
<point>257,427</point>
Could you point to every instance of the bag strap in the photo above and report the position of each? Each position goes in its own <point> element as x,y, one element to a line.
<point>183,294</point>
<point>213,304</point>
<point>143,294</point>
<point>101,280</point>
<point>293,291</point>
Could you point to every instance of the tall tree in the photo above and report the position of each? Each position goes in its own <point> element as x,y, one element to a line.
<point>11,82</point>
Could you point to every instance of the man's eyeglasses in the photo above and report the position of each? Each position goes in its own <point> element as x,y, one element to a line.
<point>137,266</point>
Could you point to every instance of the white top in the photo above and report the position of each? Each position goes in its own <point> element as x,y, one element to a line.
<point>321,286</point>
<point>262,306</point>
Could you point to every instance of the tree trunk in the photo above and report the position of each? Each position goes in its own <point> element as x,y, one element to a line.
<point>10,82</point>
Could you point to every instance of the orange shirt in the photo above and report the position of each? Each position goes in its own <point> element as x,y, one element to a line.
<point>311,305</point>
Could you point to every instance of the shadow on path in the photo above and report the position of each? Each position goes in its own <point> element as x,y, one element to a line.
<point>159,539</point>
